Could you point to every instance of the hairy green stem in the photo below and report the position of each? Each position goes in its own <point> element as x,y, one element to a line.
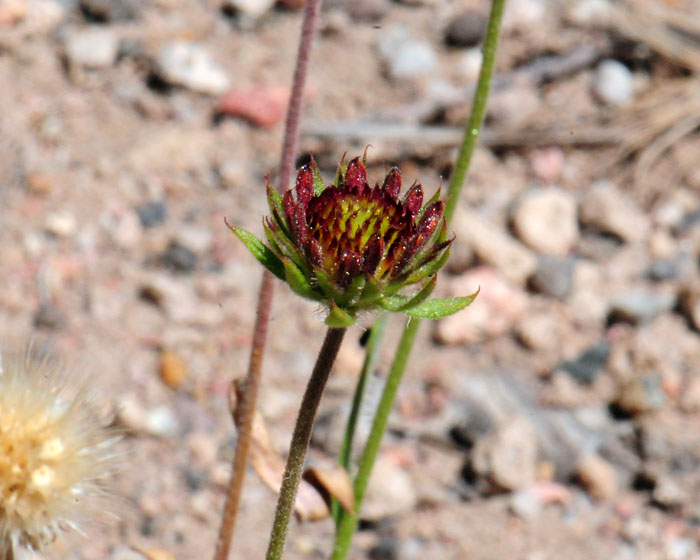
<point>348,523</point>
<point>251,385</point>
<point>300,441</point>
<point>375,336</point>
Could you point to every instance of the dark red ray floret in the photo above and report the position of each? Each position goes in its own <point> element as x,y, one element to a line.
<point>355,176</point>
<point>350,268</point>
<point>314,252</point>
<point>392,182</point>
<point>430,219</point>
<point>414,199</point>
<point>372,254</point>
<point>305,185</point>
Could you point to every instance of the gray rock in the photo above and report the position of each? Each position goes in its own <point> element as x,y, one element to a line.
<point>466,29</point>
<point>586,366</point>
<point>613,83</point>
<point>152,213</point>
<point>663,270</point>
<point>611,211</point>
<point>546,220</point>
<point>554,277</point>
<point>92,48</point>
<point>189,65</point>
<point>111,10</point>
<point>179,258</point>
<point>639,307</point>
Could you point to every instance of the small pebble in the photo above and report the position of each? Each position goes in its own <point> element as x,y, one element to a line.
<point>507,456</point>
<point>554,277</point>
<point>92,48</point>
<point>640,394</point>
<point>189,65</point>
<point>49,317</point>
<point>689,304</point>
<point>152,213</point>
<point>412,60</point>
<point>171,369</point>
<point>61,224</point>
<point>605,207</point>
<point>598,476</point>
<point>368,10</point>
<point>493,246</point>
<point>526,503</point>
<point>252,9</point>
<point>613,83</point>
<point>466,29</point>
<point>161,421</point>
<point>546,220</point>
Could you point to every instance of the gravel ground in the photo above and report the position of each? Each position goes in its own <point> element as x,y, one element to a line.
<point>557,417</point>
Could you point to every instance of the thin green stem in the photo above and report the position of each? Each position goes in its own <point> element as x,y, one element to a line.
<point>375,336</point>
<point>478,112</point>
<point>300,441</point>
<point>348,523</point>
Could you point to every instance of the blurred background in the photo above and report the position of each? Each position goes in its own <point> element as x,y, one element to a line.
<point>557,417</point>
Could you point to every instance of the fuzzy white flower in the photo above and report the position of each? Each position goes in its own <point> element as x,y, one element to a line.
<point>55,453</point>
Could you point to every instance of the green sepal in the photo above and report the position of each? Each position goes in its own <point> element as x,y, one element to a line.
<point>353,291</point>
<point>433,198</point>
<point>339,318</point>
<point>296,280</point>
<point>274,200</point>
<point>403,304</point>
<point>318,180</point>
<point>340,175</point>
<point>325,283</point>
<point>428,269</point>
<point>287,248</point>
<point>370,295</point>
<point>437,308</point>
<point>260,251</point>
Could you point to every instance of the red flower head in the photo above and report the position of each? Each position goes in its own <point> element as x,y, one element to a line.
<point>355,246</point>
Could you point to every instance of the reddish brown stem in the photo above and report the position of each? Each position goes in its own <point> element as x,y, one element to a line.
<point>251,385</point>
<point>246,411</point>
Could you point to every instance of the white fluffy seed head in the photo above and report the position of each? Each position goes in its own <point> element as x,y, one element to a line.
<point>56,454</point>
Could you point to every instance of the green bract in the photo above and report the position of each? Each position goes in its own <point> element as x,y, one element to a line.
<point>355,247</point>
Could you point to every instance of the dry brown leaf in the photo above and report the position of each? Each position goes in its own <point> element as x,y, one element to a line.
<point>155,553</point>
<point>310,504</point>
<point>333,482</point>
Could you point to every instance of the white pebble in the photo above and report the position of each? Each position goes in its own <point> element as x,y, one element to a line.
<point>613,83</point>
